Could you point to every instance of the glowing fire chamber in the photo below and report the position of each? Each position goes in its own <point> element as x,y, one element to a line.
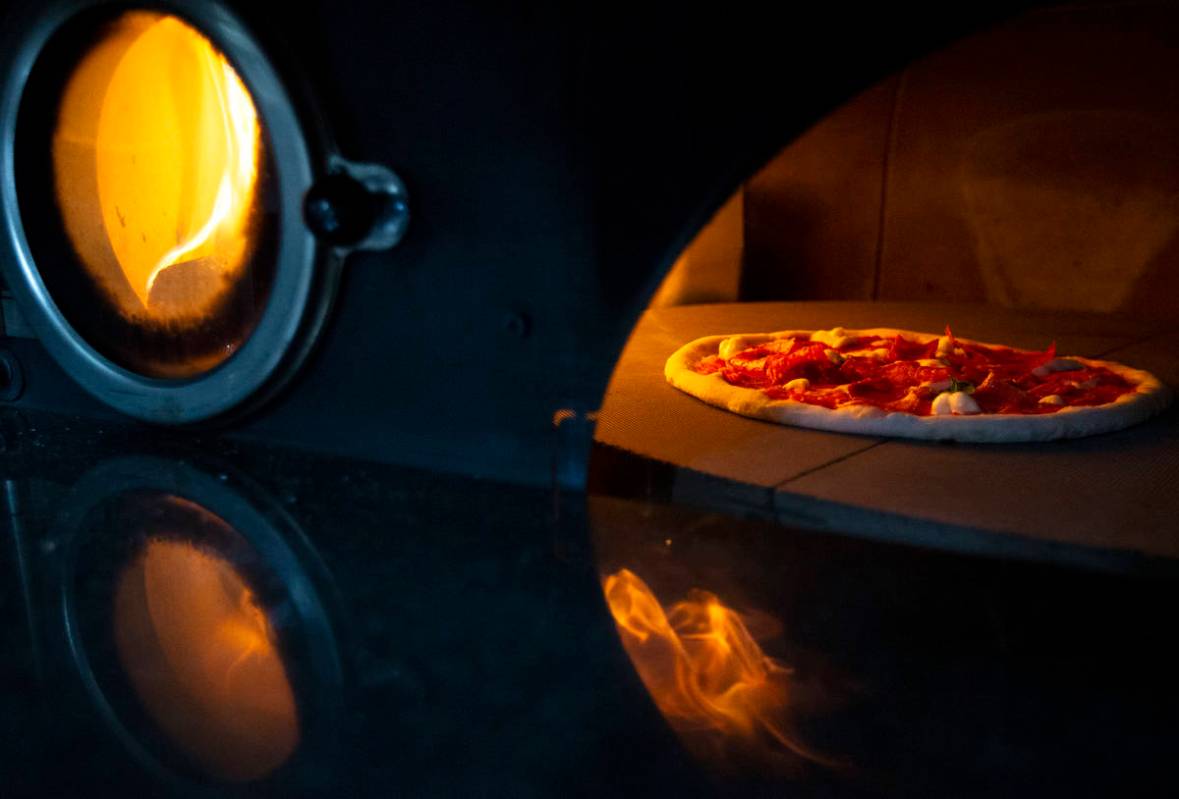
<point>155,158</point>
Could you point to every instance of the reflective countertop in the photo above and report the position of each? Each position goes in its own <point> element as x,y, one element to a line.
<point>187,615</point>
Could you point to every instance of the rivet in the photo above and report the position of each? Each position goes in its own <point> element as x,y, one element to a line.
<point>516,324</point>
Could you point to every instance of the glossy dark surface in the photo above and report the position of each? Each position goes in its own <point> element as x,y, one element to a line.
<point>447,637</point>
<point>476,656</point>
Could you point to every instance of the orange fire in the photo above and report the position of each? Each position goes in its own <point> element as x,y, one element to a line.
<point>200,654</point>
<point>156,160</point>
<point>702,666</point>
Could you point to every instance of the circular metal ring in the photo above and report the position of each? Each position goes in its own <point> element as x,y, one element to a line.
<point>305,274</point>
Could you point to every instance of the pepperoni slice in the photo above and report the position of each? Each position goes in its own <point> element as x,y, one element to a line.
<point>854,369</point>
<point>904,349</point>
<point>746,377</point>
<point>710,364</point>
<point>752,354</point>
<point>877,390</point>
<point>912,373</point>
<point>826,397</point>
<point>997,394</point>
<point>807,360</point>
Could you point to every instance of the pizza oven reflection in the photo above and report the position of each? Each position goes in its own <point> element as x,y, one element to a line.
<point>201,656</point>
<point>195,627</point>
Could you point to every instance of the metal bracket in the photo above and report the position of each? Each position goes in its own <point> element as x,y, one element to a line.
<point>357,207</point>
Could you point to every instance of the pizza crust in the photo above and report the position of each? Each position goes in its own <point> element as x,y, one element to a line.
<point>1150,397</point>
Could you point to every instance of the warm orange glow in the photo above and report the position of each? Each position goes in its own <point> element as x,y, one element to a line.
<point>702,666</point>
<point>200,653</point>
<point>156,162</point>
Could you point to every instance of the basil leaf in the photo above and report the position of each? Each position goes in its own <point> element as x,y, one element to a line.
<point>965,386</point>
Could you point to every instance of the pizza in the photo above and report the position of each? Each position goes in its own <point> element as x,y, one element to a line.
<point>890,382</point>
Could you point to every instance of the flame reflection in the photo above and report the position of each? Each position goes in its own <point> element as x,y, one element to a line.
<point>704,669</point>
<point>156,160</point>
<point>199,652</point>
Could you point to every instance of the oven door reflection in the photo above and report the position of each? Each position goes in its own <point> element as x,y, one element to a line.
<point>196,627</point>
<point>201,655</point>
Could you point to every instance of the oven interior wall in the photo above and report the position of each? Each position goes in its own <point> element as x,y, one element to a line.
<point>1034,165</point>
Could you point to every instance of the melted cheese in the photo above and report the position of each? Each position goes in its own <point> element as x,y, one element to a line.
<point>1057,365</point>
<point>733,345</point>
<point>956,402</point>
<point>798,384</point>
<point>836,337</point>
<point>1052,399</point>
<point>876,354</point>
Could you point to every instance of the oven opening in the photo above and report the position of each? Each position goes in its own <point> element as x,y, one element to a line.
<point>156,156</point>
<point>148,192</point>
<point>150,200</point>
<point>1020,186</point>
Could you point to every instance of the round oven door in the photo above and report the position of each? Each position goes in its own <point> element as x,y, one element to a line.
<point>154,176</point>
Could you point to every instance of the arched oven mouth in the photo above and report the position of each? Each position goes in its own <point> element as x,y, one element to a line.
<point>948,198</point>
<point>178,246</point>
<point>948,195</point>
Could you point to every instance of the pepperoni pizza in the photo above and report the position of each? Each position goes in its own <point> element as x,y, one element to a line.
<point>890,382</point>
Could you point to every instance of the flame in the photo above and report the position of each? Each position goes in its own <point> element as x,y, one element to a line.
<point>200,654</point>
<point>702,666</point>
<point>156,165</point>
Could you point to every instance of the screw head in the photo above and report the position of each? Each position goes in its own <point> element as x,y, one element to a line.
<point>517,324</point>
<point>357,206</point>
<point>339,210</point>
